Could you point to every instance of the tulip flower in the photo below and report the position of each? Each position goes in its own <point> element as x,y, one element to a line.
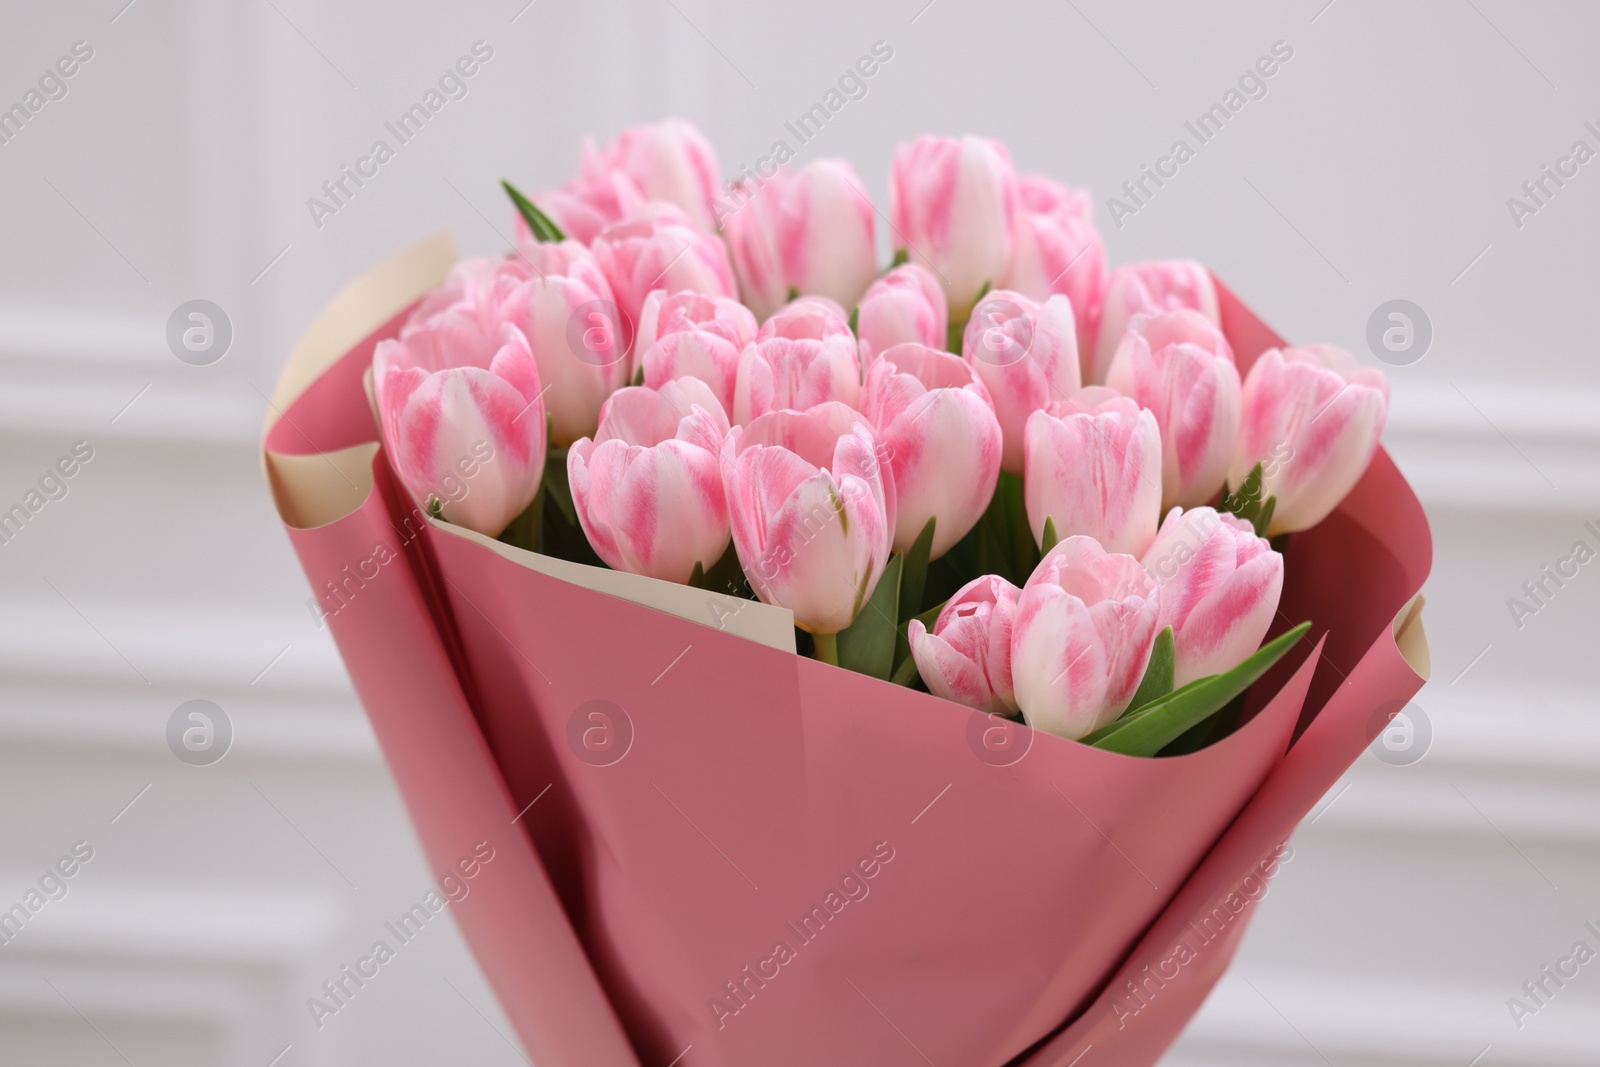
<point>1220,585</point>
<point>1147,289</point>
<point>812,511</point>
<point>1179,367</point>
<point>1094,468</point>
<point>943,441</point>
<point>670,161</point>
<point>905,305</point>
<point>648,487</point>
<point>472,290</point>
<point>691,334</point>
<point>1311,418</point>
<point>584,206</point>
<point>469,436</point>
<point>1026,355</point>
<point>566,311</point>
<point>808,230</point>
<point>953,201</point>
<point>802,356</point>
<point>1058,250</point>
<point>1085,624</point>
<point>967,656</point>
<point>657,247</point>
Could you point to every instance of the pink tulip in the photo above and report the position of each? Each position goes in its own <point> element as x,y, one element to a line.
<point>967,657</point>
<point>1220,585</point>
<point>1311,418</point>
<point>812,511</point>
<point>1058,250</point>
<point>690,334</point>
<point>1026,354</point>
<point>803,356</point>
<point>809,230</point>
<point>670,161</point>
<point>584,206</point>
<point>906,305</point>
<point>1147,289</point>
<point>953,202</point>
<point>657,247</point>
<point>942,438</point>
<point>471,437</point>
<point>648,488</point>
<point>1179,367</point>
<point>1094,468</point>
<point>473,290</point>
<point>1085,624</point>
<point>566,311</point>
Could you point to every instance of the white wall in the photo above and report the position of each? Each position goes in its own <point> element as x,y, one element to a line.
<point>178,166</point>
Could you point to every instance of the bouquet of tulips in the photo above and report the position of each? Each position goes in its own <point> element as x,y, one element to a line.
<point>754,551</point>
<point>1028,483</point>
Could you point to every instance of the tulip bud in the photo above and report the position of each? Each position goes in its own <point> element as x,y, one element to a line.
<point>1220,585</point>
<point>808,230</point>
<point>566,311</point>
<point>1311,418</point>
<point>1094,468</point>
<point>802,356</point>
<point>942,438</point>
<point>670,161</point>
<point>584,206</point>
<point>904,306</point>
<point>812,511</point>
<point>471,437</point>
<point>687,334</point>
<point>1058,250</point>
<point>1026,355</point>
<point>648,488</point>
<point>657,247</point>
<point>954,203</point>
<point>1085,624</point>
<point>1147,289</point>
<point>1179,367</point>
<point>967,657</point>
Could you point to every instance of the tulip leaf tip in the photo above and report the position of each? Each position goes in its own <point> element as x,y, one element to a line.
<point>539,223</point>
<point>1049,537</point>
<point>1149,729</point>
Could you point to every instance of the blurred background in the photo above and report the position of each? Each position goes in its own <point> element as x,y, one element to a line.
<point>175,164</point>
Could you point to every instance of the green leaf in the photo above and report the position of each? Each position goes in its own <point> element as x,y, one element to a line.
<point>538,222</point>
<point>914,571</point>
<point>1163,720</point>
<point>555,480</point>
<point>1263,521</point>
<point>913,580</point>
<point>855,321</point>
<point>794,294</point>
<point>901,258</point>
<point>906,673</point>
<point>435,508</point>
<point>1048,541</point>
<point>1157,680</point>
<point>866,646</point>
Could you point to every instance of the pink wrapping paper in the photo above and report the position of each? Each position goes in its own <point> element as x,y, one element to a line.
<point>667,889</point>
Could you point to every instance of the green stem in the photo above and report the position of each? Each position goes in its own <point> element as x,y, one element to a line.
<point>827,646</point>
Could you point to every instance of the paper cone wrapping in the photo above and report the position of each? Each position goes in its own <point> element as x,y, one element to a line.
<point>710,848</point>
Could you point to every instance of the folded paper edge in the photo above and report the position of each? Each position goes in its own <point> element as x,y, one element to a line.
<point>361,307</point>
